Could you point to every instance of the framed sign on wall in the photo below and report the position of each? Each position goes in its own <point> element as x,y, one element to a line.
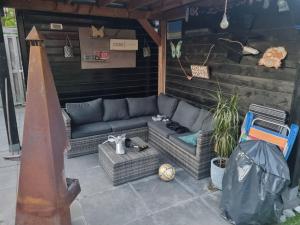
<point>96,52</point>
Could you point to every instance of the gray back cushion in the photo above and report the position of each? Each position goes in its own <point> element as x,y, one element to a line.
<point>185,114</point>
<point>115,109</point>
<point>203,122</point>
<point>142,106</point>
<point>85,112</point>
<point>166,105</point>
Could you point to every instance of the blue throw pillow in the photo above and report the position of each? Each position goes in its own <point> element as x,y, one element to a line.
<point>190,139</point>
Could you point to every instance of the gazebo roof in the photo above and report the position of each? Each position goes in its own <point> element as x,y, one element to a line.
<point>135,9</point>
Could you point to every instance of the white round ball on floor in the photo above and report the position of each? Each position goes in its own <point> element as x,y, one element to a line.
<point>166,172</point>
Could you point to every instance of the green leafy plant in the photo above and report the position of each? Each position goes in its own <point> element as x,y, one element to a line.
<point>226,125</point>
<point>9,18</point>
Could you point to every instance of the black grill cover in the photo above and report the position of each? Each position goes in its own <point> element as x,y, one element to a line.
<point>255,177</point>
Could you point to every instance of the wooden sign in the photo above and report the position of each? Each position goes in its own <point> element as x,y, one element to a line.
<point>96,53</point>
<point>123,45</point>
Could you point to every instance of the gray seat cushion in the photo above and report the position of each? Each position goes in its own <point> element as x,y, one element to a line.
<point>166,105</point>
<point>90,129</point>
<point>115,109</point>
<point>85,112</point>
<point>185,146</point>
<point>142,106</point>
<point>133,123</point>
<point>161,128</point>
<point>203,122</point>
<point>185,114</point>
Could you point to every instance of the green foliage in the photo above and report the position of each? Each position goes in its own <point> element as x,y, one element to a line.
<point>226,124</point>
<point>293,221</point>
<point>9,18</point>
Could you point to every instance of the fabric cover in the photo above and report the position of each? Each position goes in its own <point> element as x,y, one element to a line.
<point>115,109</point>
<point>255,178</point>
<point>85,112</point>
<point>142,106</point>
<point>203,122</point>
<point>185,114</point>
<point>90,129</point>
<point>166,105</point>
<point>133,123</point>
<point>190,138</point>
<point>174,138</point>
<point>161,128</point>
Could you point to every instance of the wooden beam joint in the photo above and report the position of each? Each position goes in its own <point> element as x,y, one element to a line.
<point>150,30</point>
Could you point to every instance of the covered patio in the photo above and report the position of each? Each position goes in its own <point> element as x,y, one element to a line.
<point>166,38</point>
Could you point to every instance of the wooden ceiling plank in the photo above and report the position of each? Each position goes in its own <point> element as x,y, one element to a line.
<point>150,30</point>
<point>135,4</point>
<point>174,4</point>
<point>106,2</point>
<point>50,6</point>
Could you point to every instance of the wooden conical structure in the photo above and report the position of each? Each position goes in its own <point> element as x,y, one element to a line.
<point>44,196</point>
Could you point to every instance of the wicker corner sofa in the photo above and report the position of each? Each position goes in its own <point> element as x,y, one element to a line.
<point>86,133</point>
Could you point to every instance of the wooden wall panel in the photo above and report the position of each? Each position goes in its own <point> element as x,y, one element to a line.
<point>255,84</point>
<point>74,84</point>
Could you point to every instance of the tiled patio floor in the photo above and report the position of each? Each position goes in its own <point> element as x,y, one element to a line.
<point>149,201</point>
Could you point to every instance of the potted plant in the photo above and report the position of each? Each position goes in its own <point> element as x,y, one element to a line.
<point>225,134</point>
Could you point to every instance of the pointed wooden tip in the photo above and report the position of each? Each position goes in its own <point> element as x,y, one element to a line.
<point>34,35</point>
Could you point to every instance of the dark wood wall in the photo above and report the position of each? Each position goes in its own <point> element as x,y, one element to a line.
<point>74,84</point>
<point>255,84</point>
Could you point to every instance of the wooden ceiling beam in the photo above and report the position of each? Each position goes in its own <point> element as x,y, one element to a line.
<point>173,4</point>
<point>61,7</point>
<point>105,2</point>
<point>171,13</point>
<point>135,4</point>
<point>150,30</point>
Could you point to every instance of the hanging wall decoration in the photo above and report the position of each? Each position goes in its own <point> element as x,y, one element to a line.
<point>174,30</point>
<point>202,71</point>
<point>109,48</point>
<point>68,48</point>
<point>97,33</point>
<point>272,57</point>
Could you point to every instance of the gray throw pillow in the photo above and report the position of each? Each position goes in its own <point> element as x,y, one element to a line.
<point>142,106</point>
<point>85,112</point>
<point>115,109</point>
<point>185,114</point>
<point>166,105</point>
<point>203,122</point>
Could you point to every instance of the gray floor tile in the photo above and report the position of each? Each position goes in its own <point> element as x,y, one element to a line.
<point>118,206</point>
<point>158,194</point>
<point>80,164</point>
<point>79,221</point>
<point>213,201</point>
<point>147,220</point>
<point>8,205</point>
<point>93,181</point>
<point>76,210</point>
<point>197,187</point>
<point>189,213</point>
<point>8,177</point>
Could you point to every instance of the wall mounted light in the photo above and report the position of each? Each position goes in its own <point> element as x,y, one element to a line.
<point>246,49</point>
<point>224,23</point>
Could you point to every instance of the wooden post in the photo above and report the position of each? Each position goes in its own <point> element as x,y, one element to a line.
<point>162,57</point>
<point>7,98</point>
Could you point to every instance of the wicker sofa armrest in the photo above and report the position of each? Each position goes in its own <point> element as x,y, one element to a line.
<point>204,144</point>
<point>67,121</point>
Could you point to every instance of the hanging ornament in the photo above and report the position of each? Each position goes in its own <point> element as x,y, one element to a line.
<point>224,23</point>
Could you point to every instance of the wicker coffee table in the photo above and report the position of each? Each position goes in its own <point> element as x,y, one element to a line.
<point>130,166</point>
